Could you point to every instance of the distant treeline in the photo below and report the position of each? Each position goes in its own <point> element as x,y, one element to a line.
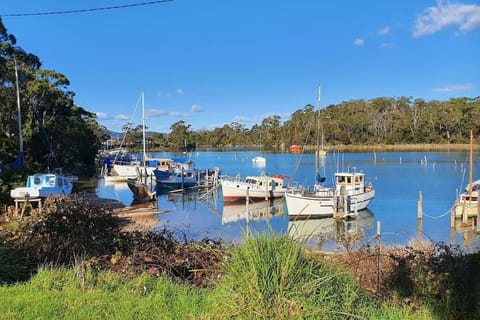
<point>379,121</point>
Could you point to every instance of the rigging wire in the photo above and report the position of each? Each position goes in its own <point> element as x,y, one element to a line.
<point>84,10</point>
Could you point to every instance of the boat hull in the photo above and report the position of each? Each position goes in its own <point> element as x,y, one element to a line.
<point>326,203</point>
<point>238,190</point>
<point>141,191</point>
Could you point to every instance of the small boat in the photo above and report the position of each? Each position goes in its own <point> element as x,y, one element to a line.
<point>141,191</point>
<point>254,187</point>
<point>295,148</point>
<point>468,201</point>
<point>43,185</point>
<point>259,161</point>
<point>178,179</point>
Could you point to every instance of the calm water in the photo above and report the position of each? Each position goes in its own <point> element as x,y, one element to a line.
<point>398,178</point>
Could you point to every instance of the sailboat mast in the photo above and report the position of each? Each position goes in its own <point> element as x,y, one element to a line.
<point>470,177</point>
<point>317,151</point>
<point>143,129</point>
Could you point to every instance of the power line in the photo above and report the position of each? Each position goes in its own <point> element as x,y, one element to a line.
<point>84,10</point>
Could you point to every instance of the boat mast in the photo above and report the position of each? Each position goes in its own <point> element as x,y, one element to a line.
<point>317,151</point>
<point>143,129</point>
<point>470,177</point>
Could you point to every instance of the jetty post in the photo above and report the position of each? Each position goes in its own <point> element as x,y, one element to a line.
<point>247,203</point>
<point>378,255</point>
<point>420,216</point>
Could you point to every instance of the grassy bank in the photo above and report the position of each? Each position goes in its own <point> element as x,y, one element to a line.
<point>267,278</point>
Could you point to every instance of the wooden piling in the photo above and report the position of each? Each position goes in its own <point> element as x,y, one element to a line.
<point>419,206</point>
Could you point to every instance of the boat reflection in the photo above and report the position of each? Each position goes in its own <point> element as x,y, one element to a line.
<point>261,210</point>
<point>317,232</point>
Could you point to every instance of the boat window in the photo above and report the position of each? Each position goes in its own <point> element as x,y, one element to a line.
<point>60,182</point>
<point>340,179</point>
<point>349,179</point>
<point>36,180</point>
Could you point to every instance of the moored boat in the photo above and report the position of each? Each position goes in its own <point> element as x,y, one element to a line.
<point>468,201</point>
<point>43,185</point>
<point>255,187</point>
<point>259,161</point>
<point>349,195</point>
<point>295,148</point>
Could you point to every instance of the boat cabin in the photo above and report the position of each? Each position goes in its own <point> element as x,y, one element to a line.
<point>349,181</point>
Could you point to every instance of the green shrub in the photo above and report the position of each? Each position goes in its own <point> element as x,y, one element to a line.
<point>271,277</point>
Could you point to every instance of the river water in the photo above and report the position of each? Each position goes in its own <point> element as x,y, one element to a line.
<point>399,178</point>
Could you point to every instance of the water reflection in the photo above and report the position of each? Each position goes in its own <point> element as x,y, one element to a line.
<point>319,233</point>
<point>261,210</point>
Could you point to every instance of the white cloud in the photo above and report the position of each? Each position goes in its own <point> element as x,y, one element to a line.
<point>384,31</point>
<point>445,14</point>
<point>454,88</point>
<point>197,108</point>
<point>180,91</point>
<point>359,42</point>
<point>387,45</point>
<point>164,94</point>
<point>101,115</point>
<point>121,117</point>
<point>154,113</point>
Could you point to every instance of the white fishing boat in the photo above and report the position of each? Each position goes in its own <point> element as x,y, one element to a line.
<point>255,187</point>
<point>349,195</point>
<point>43,185</point>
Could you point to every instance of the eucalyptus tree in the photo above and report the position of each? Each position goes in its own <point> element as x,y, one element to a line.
<point>180,136</point>
<point>55,131</point>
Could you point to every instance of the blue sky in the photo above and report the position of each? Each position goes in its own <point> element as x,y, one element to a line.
<point>214,62</point>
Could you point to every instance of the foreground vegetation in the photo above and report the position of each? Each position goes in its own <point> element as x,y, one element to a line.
<point>72,261</point>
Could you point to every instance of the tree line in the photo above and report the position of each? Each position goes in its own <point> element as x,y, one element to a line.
<point>386,121</point>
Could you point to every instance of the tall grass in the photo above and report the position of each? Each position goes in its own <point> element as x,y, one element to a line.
<point>271,277</point>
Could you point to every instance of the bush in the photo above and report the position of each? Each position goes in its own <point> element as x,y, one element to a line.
<point>65,229</point>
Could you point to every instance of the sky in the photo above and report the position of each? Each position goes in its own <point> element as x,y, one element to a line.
<point>216,62</point>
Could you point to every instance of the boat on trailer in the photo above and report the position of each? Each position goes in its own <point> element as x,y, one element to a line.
<point>43,185</point>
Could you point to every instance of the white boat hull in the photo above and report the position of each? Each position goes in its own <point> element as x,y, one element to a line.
<point>326,203</point>
<point>238,190</point>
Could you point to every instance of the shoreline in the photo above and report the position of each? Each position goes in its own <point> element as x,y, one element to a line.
<point>131,218</point>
